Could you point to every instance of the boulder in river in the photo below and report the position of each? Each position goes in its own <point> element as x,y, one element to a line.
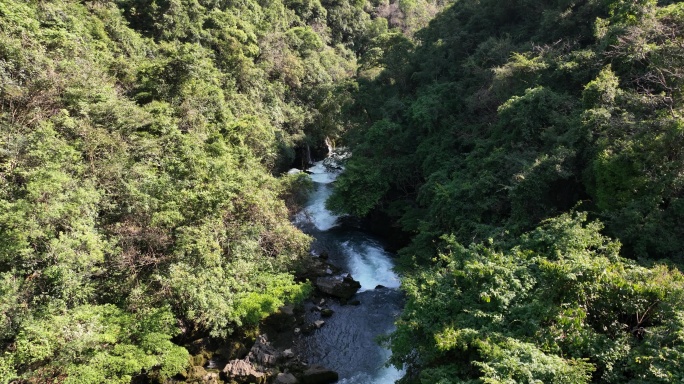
<point>316,374</point>
<point>327,312</point>
<point>343,287</point>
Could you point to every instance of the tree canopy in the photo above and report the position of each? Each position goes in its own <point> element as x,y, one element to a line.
<point>530,151</point>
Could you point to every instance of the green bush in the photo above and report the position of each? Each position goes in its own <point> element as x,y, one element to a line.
<point>559,307</point>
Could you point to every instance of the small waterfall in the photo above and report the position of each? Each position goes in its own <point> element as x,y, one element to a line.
<point>370,264</point>
<point>347,342</point>
<point>314,212</point>
<point>331,146</point>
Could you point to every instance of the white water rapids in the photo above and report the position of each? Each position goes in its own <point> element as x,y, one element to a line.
<point>347,342</point>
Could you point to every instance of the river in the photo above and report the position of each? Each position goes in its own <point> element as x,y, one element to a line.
<point>347,342</point>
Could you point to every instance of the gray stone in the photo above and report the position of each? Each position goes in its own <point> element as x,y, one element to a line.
<point>338,286</point>
<point>288,354</point>
<point>263,353</point>
<point>286,378</point>
<point>243,370</point>
<point>287,310</point>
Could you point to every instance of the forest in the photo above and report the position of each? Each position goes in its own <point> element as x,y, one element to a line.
<point>525,157</point>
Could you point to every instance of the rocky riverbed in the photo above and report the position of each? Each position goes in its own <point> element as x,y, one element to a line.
<point>275,356</point>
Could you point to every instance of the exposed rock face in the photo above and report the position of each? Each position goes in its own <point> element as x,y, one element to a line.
<point>263,353</point>
<point>336,158</point>
<point>343,287</point>
<point>314,267</point>
<point>253,368</point>
<point>244,371</point>
<point>319,375</point>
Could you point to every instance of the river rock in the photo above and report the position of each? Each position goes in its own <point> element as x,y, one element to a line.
<point>314,267</point>
<point>338,286</point>
<point>286,378</point>
<point>287,310</point>
<point>252,369</point>
<point>263,353</point>
<point>308,329</point>
<point>319,323</point>
<point>316,374</point>
<point>288,354</point>
<point>327,312</point>
<point>243,371</point>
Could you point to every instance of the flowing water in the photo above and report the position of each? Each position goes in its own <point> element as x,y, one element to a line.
<point>347,343</point>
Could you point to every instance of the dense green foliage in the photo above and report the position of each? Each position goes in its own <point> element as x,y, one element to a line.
<point>138,140</point>
<point>560,307</point>
<point>140,203</point>
<point>499,120</point>
<point>503,115</point>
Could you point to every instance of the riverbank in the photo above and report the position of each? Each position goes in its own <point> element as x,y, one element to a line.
<point>333,334</point>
